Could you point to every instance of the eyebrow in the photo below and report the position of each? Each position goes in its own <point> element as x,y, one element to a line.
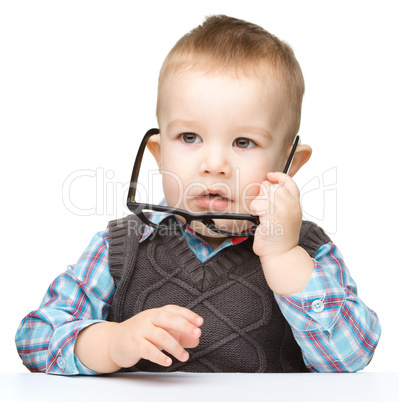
<point>254,130</point>
<point>184,123</point>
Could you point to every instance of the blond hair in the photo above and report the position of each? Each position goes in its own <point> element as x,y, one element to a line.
<point>225,44</point>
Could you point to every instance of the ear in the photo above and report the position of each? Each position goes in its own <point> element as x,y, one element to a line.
<point>302,155</point>
<point>154,146</point>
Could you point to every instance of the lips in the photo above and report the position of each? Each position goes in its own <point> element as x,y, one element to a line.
<point>213,200</point>
<point>214,194</point>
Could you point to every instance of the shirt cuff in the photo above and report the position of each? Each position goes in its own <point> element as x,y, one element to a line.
<point>317,307</point>
<point>61,357</point>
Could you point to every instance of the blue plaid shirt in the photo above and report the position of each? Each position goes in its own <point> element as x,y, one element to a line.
<point>333,327</point>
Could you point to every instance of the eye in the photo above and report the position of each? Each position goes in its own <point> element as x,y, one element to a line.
<point>243,143</point>
<point>190,138</point>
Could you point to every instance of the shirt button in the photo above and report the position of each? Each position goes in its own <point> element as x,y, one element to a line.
<point>61,362</point>
<point>317,306</point>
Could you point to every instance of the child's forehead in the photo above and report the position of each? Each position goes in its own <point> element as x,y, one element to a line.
<point>262,71</point>
<point>208,83</point>
<point>226,87</point>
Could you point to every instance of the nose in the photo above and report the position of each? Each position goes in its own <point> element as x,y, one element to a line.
<point>215,161</point>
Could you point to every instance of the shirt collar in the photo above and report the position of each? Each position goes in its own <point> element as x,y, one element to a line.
<point>156,217</point>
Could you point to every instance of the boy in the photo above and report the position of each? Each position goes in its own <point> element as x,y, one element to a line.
<point>229,105</point>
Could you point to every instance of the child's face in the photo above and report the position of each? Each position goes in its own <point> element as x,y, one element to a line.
<point>220,136</point>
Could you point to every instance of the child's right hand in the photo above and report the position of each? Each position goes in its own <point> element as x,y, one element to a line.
<point>170,328</point>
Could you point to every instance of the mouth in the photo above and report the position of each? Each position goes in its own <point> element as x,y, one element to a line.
<point>213,200</point>
<point>214,195</point>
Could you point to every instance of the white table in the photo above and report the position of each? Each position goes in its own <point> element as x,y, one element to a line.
<point>190,387</point>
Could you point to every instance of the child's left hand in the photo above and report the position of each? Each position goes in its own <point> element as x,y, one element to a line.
<point>279,210</point>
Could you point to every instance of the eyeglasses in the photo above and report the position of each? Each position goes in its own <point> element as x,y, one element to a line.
<point>153,215</point>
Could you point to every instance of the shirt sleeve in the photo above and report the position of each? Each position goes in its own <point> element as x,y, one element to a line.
<point>333,327</point>
<point>79,297</point>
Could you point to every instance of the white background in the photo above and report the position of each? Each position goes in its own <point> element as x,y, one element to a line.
<point>77,92</point>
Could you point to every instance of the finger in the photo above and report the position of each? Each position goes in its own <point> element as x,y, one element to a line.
<point>267,189</point>
<point>152,353</point>
<point>165,341</point>
<point>189,315</point>
<point>264,190</point>
<point>184,340</point>
<point>167,319</point>
<point>260,204</point>
<point>259,207</point>
<point>270,197</point>
<point>285,181</point>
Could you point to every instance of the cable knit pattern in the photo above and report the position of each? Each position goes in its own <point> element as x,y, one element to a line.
<point>243,330</point>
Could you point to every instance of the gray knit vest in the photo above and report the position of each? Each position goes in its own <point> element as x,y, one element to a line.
<point>243,330</point>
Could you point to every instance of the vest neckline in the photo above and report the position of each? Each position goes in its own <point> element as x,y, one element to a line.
<point>227,261</point>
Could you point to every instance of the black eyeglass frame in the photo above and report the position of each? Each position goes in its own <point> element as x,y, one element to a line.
<point>205,218</point>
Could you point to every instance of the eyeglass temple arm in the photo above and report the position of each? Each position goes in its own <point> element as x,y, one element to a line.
<point>137,164</point>
<point>292,153</point>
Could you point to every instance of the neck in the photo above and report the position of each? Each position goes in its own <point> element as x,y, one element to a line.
<point>214,242</point>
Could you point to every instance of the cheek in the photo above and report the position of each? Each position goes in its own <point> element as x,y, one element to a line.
<point>249,180</point>
<point>171,177</point>
<point>172,188</point>
<point>178,185</point>
<point>254,173</point>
